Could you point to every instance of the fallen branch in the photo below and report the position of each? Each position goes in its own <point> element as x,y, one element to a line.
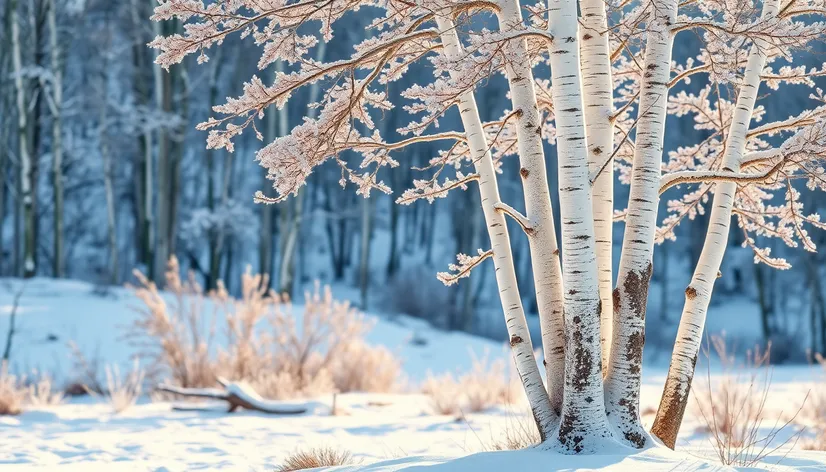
<point>237,395</point>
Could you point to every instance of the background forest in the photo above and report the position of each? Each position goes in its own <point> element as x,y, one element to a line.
<point>120,179</point>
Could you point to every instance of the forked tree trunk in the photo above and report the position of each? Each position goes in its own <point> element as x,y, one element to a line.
<point>622,388</point>
<point>583,424</point>
<point>599,133</point>
<point>520,339</point>
<point>698,294</point>
<point>547,272</point>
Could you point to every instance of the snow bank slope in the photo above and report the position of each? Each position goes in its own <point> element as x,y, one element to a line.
<point>52,313</point>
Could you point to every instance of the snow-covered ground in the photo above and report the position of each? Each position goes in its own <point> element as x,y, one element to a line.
<point>383,431</point>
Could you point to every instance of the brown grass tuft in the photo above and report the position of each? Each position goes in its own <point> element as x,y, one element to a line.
<point>734,409</point>
<point>12,392</point>
<point>487,384</point>
<point>123,391</point>
<point>815,411</point>
<point>280,352</point>
<point>521,435</point>
<point>313,458</point>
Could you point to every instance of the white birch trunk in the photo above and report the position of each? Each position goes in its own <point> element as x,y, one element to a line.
<point>159,242</point>
<point>25,175</point>
<point>547,272</point>
<point>111,228</point>
<point>622,389</point>
<point>583,424</point>
<point>698,294</point>
<point>57,140</point>
<point>520,339</point>
<point>292,228</point>
<point>599,133</point>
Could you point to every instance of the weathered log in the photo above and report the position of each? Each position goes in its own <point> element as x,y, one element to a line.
<point>237,395</point>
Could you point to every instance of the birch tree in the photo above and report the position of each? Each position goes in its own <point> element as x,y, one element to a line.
<point>25,183</point>
<point>605,104</point>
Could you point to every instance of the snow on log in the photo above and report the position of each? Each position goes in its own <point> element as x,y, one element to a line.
<point>239,394</point>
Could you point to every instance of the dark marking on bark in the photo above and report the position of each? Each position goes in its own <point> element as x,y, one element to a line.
<point>524,173</point>
<point>597,150</point>
<point>556,252</point>
<point>566,433</point>
<point>587,36</point>
<point>690,292</point>
<point>616,298</point>
<point>583,362</point>
<point>634,437</point>
<point>636,289</point>
<point>515,340</point>
<point>633,352</point>
<point>719,274</point>
<point>572,292</point>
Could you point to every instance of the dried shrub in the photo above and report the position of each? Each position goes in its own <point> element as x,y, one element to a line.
<point>123,392</point>
<point>314,458</point>
<point>86,372</point>
<point>280,352</point>
<point>13,392</point>
<point>365,368</point>
<point>445,394</point>
<point>734,409</point>
<point>175,337</point>
<point>521,435</point>
<point>40,391</point>
<point>486,385</point>
<point>815,410</point>
<point>17,392</point>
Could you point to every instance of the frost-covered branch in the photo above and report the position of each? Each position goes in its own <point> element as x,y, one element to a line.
<point>521,219</point>
<point>465,265</point>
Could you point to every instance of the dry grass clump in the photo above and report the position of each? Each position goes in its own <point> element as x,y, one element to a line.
<point>486,385</point>
<point>13,392</point>
<point>40,391</point>
<point>280,352</point>
<point>815,411</point>
<point>123,392</point>
<point>366,368</point>
<point>520,436</point>
<point>17,392</point>
<point>734,408</point>
<point>313,458</point>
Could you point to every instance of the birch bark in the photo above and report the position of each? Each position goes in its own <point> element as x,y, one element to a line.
<point>698,294</point>
<point>57,140</point>
<point>622,392</point>
<point>520,339</point>
<point>545,263</point>
<point>25,175</point>
<point>599,133</point>
<point>583,424</point>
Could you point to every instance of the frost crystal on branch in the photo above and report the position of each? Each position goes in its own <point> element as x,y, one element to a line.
<point>464,266</point>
